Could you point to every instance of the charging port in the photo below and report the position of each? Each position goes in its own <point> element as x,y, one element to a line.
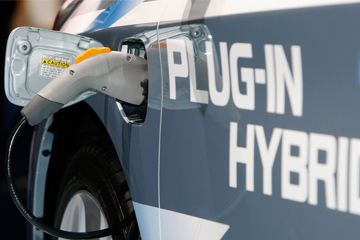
<point>133,113</point>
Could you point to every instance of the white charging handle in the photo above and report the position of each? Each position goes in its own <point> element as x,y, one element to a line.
<point>116,74</point>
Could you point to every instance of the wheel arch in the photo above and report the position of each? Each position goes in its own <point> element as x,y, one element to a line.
<point>53,142</point>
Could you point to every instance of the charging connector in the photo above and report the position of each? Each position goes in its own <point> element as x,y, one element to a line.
<point>116,74</point>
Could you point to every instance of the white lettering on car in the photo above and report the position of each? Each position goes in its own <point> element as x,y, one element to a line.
<point>310,163</point>
<point>281,80</point>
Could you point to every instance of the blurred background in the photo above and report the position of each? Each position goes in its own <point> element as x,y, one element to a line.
<point>35,13</point>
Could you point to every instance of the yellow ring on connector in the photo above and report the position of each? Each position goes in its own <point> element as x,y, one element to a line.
<point>91,52</point>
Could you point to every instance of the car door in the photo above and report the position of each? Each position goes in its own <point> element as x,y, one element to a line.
<point>259,131</point>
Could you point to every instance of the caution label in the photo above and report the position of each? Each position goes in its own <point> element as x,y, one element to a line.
<point>55,63</point>
<point>53,66</point>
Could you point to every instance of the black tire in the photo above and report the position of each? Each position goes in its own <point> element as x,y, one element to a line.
<point>96,169</point>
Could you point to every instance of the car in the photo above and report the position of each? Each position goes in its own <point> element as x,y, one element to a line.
<point>249,129</point>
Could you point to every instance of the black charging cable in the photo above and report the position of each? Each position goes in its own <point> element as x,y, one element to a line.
<point>38,222</point>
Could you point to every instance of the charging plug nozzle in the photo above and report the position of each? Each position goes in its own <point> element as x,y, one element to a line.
<point>115,74</point>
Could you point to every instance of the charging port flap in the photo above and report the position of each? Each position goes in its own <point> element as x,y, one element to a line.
<point>36,56</point>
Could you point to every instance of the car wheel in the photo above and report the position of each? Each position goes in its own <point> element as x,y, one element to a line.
<point>94,195</point>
